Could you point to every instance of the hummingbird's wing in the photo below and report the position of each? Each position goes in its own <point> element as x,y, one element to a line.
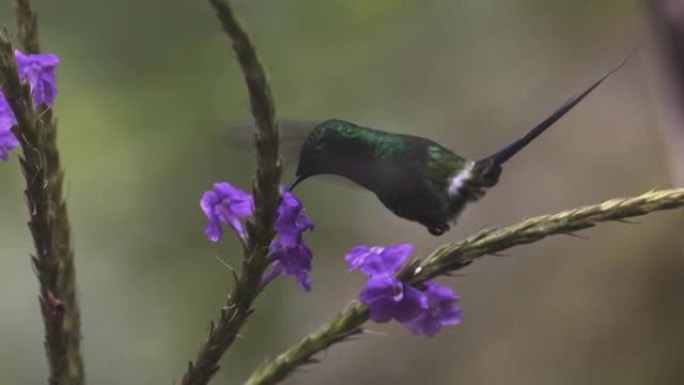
<point>292,135</point>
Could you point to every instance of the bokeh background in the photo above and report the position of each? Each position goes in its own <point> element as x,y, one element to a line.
<point>147,89</point>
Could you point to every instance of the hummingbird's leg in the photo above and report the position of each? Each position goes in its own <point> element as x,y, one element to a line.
<point>439,229</point>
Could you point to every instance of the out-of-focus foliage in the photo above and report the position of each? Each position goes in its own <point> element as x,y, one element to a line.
<point>147,89</point>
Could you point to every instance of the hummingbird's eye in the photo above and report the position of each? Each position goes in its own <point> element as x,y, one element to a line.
<point>319,145</point>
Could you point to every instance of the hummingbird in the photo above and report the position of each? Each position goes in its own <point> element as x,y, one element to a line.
<point>415,178</point>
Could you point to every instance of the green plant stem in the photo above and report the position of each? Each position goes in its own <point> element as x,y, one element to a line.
<point>453,256</point>
<point>235,313</point>
<point>27,23</point>
<point>36,130</point>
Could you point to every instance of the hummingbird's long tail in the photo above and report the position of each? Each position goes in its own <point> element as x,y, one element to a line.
<point>500,157</point>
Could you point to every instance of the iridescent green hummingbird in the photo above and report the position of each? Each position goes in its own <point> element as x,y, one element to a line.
<point>414,177</point>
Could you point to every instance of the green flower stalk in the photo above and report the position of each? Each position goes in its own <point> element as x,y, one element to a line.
<point>238,308</point>
<point>27,23</point>
<point>454,256</point>
<point>35,129</point>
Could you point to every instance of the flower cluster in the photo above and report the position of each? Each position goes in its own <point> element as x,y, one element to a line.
<point>292,256</point>
<point>39,71</point>
<point>422,312</point>
<point>226,204</point>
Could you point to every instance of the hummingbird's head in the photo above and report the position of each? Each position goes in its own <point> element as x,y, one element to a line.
<point>318,155</point>
<point>335,147</point>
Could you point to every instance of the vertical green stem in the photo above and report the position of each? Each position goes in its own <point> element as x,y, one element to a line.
<point>235,313</point>
<point>27,23</point>
<point>49,223</point>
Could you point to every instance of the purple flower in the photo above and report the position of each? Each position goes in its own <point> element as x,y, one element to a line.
<point>292,221</point>
<point>441,311</point>
<point>388,298</point>
<point>225,204</point>
<point>290,261</point>
<point>8,141</point>
<point>39,71</point>
<point>377,261</point>
<point>292,256</point>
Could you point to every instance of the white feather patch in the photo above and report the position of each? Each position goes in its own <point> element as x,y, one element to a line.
<point>459,180</point>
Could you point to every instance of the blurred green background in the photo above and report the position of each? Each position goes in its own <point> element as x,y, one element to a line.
<point>147,89</point>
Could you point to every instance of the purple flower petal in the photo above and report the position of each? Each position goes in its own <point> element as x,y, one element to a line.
<point>291,261</point>
<point>235,224</point>
<point>240,203</point>
<point>274,271</point>
<point>39,71</point>
<point>213,231</point>
<point>357,256</point>
<point>377,296</point>
<point>225,204</point>
<point>209,200</point>
<point>441,311</point>
<point>412,305</point>
<point>292,220</point>
<point>7,119</point>
<point>304,281</point>
<point>8,141</point>
<point>377,261</point>
<point>388,298</point>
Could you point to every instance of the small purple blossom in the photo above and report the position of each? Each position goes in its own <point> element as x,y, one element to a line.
<point>389,298</point>
<point>376,261</point>
<point>8,141</point>
<point>290,261</point>
<point>39,71</point>
<point>225,203</point>
<point>441,311</point>
<point>423,312</point>
<point>292,256</point>
<point>292,221</point>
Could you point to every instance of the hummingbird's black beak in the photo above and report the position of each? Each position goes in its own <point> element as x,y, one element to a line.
<point>295,182</point>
